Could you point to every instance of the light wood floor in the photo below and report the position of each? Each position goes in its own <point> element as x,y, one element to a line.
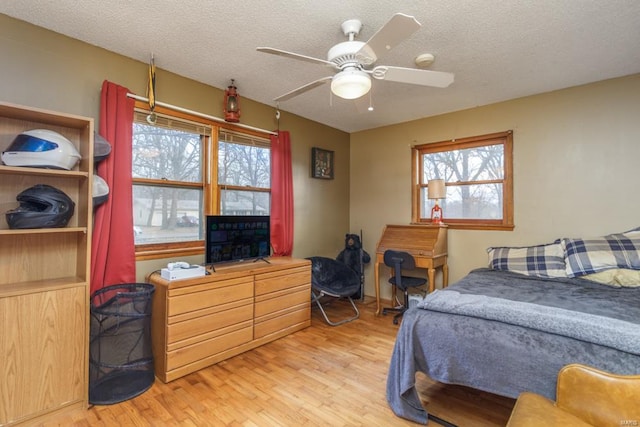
<point>320,376</point>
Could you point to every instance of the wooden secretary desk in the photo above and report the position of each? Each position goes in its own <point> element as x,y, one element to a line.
<point>427,244</point>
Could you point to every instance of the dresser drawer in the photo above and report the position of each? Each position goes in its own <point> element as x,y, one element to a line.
<point>240,334</point>
<point>294,316</point>
<point>281,300</point>
<point>198,328</point>
<point>222,293</point>
<point>285,279</point>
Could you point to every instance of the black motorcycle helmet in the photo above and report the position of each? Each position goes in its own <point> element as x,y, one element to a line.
<point>41,206</point>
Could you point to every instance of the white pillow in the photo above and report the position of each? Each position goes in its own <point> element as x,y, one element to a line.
<point>616,277</point>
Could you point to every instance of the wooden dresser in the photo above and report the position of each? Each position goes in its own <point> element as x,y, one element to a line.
<point>201,321</point>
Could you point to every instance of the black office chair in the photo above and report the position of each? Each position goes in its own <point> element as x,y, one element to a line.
<point>331,278</point>
<point>400,261</point>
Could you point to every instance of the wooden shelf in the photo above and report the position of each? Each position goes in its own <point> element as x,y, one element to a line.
<point>63,230</point>
<point>40,116</point>
<point>44,284</point>
<point>20,170</point>
<point>36,286</point>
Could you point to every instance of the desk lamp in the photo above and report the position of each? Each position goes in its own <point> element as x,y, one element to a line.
<point>436,190</point>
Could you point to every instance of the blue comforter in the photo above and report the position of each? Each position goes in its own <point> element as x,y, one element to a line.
<point>506,333</point>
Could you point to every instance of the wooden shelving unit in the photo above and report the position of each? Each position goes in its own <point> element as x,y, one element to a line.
<point>44,280</point>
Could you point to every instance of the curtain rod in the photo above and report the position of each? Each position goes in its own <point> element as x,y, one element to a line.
<point>196,113</point>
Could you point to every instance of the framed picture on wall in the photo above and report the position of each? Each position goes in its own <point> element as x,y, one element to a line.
<point>321,163</point>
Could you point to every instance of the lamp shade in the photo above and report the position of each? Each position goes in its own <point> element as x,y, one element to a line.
<point>436,189</point>
<point>350,83</point>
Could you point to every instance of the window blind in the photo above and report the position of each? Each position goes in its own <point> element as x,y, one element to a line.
<point>243,139</point>
<point>173,123</point>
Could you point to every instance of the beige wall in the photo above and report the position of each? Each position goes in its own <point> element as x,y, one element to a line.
<point>576,168</point>
<point>575,150</point>
<point>47,70</point>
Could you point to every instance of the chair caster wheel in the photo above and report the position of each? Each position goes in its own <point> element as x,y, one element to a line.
<point>395,321</point>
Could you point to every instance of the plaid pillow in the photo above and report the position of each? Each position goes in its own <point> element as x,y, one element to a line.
<point>587,256</point>
<point>540,261</point>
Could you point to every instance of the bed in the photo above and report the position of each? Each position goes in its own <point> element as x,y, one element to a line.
<point>511,327</point>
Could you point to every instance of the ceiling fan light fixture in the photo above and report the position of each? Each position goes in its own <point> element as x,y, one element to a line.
<point>353,62</point>
<point>350,83</point>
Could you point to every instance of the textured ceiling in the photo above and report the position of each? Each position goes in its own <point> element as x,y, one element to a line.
<point>497,49</point>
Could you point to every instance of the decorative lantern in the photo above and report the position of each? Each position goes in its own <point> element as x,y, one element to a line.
<point>231,104</point>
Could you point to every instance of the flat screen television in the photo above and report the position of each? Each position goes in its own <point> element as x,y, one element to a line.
<point>237,238</point>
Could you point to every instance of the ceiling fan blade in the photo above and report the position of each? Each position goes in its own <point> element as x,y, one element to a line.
<point>297,56</point>
<point>303,89</point>
<point>413,76</point>
<point>398,28</point>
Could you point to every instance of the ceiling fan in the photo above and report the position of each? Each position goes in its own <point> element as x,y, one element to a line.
<point>353,61</point>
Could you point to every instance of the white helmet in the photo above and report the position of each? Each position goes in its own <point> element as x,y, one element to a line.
<point>100,190</point>
<point>41,148</point>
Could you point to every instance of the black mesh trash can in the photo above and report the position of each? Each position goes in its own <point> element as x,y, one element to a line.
<point>120,355</point>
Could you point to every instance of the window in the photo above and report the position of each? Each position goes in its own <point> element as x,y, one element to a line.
<point>176,182</point>
<point>244,177</point>
<point>478,173</point>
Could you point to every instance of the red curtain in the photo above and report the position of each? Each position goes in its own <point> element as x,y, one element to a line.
<point>281,195</point>
<point>113,251</point>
